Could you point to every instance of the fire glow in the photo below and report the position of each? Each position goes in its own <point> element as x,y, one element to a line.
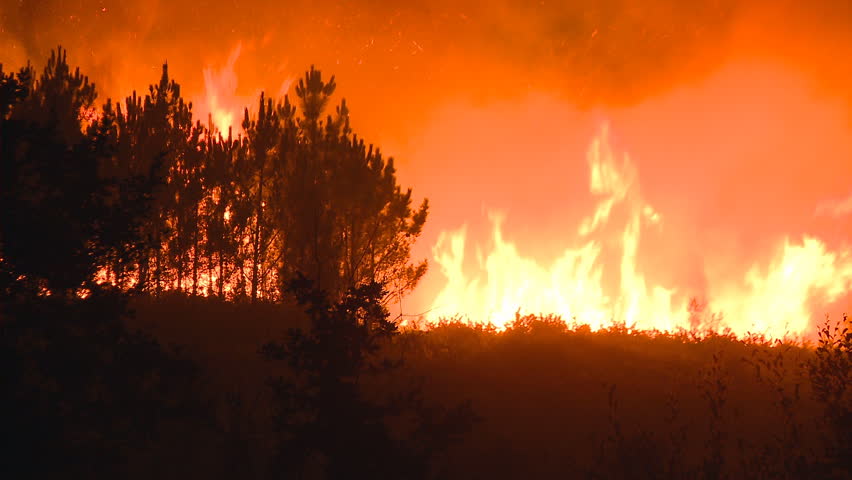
<point>220,101</point>
<point>773,301</point>
<point>588,284</point>
<point>397,77</point>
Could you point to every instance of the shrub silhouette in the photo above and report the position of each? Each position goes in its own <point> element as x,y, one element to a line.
<point>831,377</point>
<point>328,427</point>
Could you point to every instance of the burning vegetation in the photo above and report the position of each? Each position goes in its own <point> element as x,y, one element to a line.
<point>217,282</point>
<point>230,216</point>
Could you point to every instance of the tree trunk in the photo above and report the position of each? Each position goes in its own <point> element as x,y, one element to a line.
<point>257,234</point>
<point>158,262</point>
<point>221,279</point>
<point>195,253</point>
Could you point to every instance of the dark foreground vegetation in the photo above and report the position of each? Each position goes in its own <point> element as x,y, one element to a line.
<point>202,391</point>
<point>175,303</point>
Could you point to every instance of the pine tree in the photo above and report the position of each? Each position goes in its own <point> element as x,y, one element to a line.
<point>262,135</point>
<point>50,190</point>
<point>344,219</point>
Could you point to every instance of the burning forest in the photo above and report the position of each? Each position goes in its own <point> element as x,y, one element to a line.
<point>256,239</point>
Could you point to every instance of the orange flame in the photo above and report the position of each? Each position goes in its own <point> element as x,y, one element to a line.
<point>773,301</point>
<point>221,102</point>
<point>220,99</point>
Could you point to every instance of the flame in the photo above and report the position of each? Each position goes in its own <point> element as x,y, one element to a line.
<point>773,301</point>
<point>220,100</point>
<point>220,94</point>
<point>778,300</point>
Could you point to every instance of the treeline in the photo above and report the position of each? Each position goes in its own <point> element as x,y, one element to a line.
<point>173,204</point>
<point>98,204</point>
<point>101,206</point>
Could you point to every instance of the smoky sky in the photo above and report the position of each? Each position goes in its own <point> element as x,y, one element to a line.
<point>590,51</point>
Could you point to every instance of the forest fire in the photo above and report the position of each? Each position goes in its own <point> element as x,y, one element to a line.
<point>779,292</point>
<point>590,282</point>
<point>429,239</point>
<point>774,301</point>
<point>775,298</point>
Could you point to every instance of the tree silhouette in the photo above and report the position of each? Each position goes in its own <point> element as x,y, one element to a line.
<point>314,95</point>
<point>328,427</point>
<point>345,220</point>
<point>83,396</point>
<point>13,88</point>
<point>262,135</point>
<point>224,221</point>
<point>51,191</point>
<point>293,193</point>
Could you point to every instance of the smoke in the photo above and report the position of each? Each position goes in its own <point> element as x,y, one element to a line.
<point>835,208</point>
<point>591,52</point>
<point>736,111</point>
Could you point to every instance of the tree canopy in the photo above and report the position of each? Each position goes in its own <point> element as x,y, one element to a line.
<point>142,195</point>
